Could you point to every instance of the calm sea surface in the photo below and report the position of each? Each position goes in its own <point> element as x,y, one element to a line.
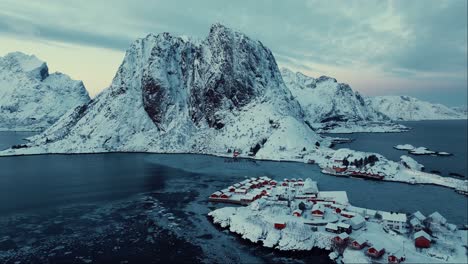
<point>152,207</point>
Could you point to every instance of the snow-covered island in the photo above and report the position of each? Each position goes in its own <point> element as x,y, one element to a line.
<point>293,215</point>
<point>420,150</point>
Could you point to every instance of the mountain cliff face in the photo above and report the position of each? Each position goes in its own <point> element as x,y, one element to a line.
<point>330,106</point>
<point>176,95</point>
<point>31,98</point>
<point>407,108</point>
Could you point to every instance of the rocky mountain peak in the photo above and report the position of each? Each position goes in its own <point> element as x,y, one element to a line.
<point>29,64</point>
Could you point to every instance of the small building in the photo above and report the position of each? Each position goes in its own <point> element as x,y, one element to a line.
<point>240,191</point>
<point>310,187</point>
<point>348,214</point>
<point>280,225</point>
<point>396,257</point>
<point>232,189</point>
<point>422,239</point>
<point>293,180</point>
<point>357,222</point>
<point>225,195</point>
<point>339,169</point>
<point>375,251</point>
<point>318,210</point>
<point>216,194</point>
<point>358,243</point>
<point>418,215</point>
<point>437,218</point>
<point>237,185</point>
<point>341,238</point>
<point>332,228</point>
<point>416,224</point>
<point>273,182</point>
<point>299,183</point>
<point>286,180</point>
<point>285,184</point>
<point>300,180</point>
<point>342,227</point>
<point>297,213</point>
<point>396,221</point>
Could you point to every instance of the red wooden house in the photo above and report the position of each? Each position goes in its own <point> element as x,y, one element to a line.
<point>297,213</point>
<point>396,258</point>
<point>216,195</point>
<point>422,239</point>
<point>318,210</point>
<point>280,225</point>
<point>375,251</point>
<point>341,238</point>
<point>358,243</point>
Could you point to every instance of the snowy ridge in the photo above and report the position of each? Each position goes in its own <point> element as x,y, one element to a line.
<point>334,107</point>
<point>174,95</point>
<point>407,108</point>
<point>30,97</point>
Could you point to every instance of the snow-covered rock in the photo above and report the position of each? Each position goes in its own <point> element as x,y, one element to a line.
<point>461,109</point>
<point>407,108</point>
<point>407,147</point>
<point>410,163</point>
<point>334,107</point>
<point>30,97</point>
<point>173,94</point>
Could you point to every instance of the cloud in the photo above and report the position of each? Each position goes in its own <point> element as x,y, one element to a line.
<point>398,39</point>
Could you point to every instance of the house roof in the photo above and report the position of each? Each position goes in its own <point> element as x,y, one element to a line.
<point>360,240</point>
<point>343,235</point>
<point>422,234</point>
<point>437,217</point>
<point>331,226</point>
<point>377,247</point>
<point>398,217</point>
<point>357,220</point>
<point>337,196</point>
<point>418,215</point>
<point>415,221</point>
<point>343,225</point>
<point>310,186</point>
<point>217,193</point>
<point>317,207</point>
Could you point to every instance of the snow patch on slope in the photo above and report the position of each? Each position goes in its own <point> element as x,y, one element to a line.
<point>30,97</point>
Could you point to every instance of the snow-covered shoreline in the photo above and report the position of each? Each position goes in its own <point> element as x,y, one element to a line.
<point>397,172</point>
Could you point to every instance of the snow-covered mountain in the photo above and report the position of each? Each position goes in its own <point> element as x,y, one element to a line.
<point>173,94</point>
<point>462,110</point>
<point>30,97</point>
<point>409,108</point>
<point>330,106</point>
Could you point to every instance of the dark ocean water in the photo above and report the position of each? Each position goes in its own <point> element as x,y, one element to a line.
<point>152,207</point>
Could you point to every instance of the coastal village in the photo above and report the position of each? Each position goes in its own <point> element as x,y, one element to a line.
<point>292,214</point>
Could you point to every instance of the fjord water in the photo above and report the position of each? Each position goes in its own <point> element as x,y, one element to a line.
<point>438,135</point>
<point>153,207</point>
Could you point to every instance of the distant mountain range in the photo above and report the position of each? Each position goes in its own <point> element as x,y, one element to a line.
<point>31,99</point>
<point>409,108</point>
<point>325,100</point>
<point>173,94</point>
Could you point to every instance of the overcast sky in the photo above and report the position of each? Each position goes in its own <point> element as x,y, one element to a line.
<point>416,48</point>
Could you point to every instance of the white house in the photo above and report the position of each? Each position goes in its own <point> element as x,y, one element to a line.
<point>357,222</point>
<point>395,221</point>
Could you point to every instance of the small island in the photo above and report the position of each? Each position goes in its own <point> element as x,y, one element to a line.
<point>293,215</point>
<point>421,150</point>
